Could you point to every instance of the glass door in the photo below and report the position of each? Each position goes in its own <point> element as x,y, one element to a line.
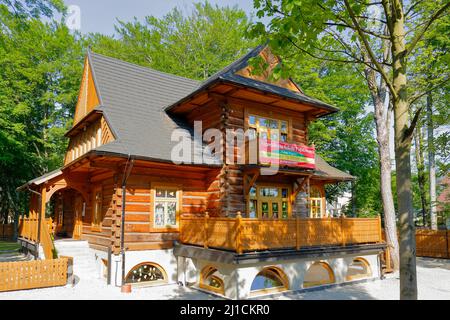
<point>269,202</point>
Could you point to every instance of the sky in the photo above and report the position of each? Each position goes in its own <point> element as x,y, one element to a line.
<point>100,15</point>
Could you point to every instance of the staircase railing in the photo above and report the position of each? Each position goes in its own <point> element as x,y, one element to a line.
<point>28,229</point>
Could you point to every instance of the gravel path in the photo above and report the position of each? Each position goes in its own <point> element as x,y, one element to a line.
<point>433,282</point>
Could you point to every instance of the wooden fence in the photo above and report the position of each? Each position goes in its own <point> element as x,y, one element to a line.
<point>22,275</point>
<point>6,231</point>
<point>433,243</point>
<point>429,243</point>
<point>244,234</point>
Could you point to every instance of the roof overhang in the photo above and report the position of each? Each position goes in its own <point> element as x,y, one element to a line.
<point>89,118</point>
<point>262,92</point>
<point>40,180</point>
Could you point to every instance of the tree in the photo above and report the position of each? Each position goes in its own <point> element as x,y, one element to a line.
<point>430,72</point>
<point>309,25</point>
<point>39,81</point>
<point>194,46</point>
<point>344,139</point>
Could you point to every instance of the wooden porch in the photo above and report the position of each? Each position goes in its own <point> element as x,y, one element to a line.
<point>245,235</point>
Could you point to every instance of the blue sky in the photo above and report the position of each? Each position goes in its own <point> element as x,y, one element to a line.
<point>100,15</point>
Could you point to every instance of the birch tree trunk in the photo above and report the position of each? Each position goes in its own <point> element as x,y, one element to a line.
<point>431,162</point>
<point>382,123</point>
<point>418,150</point>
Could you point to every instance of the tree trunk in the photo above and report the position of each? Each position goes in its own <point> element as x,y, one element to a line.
<point>382,124</point>
<point>408,278</point>
<point>381,121</point>
<point>431,162</point>
<point>420,171</point>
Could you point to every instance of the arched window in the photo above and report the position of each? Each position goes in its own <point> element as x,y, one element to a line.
<point>358,269</point>
<point>270,279</point>
<point>211,279</point>
<point>318,274</point>
<point>146,272</point>
<point>315,202</point>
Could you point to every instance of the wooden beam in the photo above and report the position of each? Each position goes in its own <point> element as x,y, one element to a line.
<point>251,182</point>
<point>103,165</point>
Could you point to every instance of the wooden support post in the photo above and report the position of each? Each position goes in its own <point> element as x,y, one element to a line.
<point>205,231</point>
<point>380,237</point>
<point>388,259</point>
<point>238,233</point>
<point>297,228</point>
<point>343,240</point>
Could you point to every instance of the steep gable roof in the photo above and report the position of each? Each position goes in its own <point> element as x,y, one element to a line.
<point>133,98</point>
<point>132,101</point>
<point>232,74</point>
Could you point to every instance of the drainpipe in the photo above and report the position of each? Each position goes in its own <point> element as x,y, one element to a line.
<point>127,172</point>
<point>39,219</point>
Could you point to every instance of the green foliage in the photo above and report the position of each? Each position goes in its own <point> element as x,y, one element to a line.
<point>344,139</point>
<point>39,81</point>
<point>194,46</point>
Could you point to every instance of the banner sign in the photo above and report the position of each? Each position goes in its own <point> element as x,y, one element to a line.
<point>288,154</point>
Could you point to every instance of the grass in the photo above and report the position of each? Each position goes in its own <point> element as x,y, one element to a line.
<point>9,246</point>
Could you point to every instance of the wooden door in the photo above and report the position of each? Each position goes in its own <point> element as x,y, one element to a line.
<point>78,216</point>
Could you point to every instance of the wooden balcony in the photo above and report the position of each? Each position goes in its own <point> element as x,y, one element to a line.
<point>246,235</point>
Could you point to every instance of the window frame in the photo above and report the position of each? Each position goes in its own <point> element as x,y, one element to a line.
<point>317,202</point>
<point>359,276</point>
<point>208,271</point>
<point>258,128</point>
<point>148,283</point>
<point>327,267</point>
<point>179,196</point>
<point>279,199</point>
<point>279,274</point>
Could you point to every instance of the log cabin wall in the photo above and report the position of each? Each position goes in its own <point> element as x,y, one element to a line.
<point>99,237</point>
<point>234,115</point>
<point>197,192</point>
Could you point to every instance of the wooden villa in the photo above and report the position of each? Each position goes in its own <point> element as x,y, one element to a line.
<point>222,227</point>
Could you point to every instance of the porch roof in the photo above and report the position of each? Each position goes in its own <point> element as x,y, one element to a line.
<point>40,180</point>
<point>325,171</point>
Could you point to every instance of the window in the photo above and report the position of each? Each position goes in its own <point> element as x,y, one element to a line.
<point>269,202</point>
<point>97,217</point>
<point>211,279</point>
<point>165,208</point>
<point>358,269</point>
<point>319,273</point>
<point>270,279</point>
<point>146,272</point>
<point>315,202</point>
<point>267,128</point>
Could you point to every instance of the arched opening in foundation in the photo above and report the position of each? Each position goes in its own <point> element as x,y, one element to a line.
<point>270,279</point>
<point>212,280</point>
<point>146,273</point>
<point>318,274</point>
<point>358,269</point>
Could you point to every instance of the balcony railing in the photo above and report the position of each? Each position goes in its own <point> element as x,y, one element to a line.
<point>245,234</point>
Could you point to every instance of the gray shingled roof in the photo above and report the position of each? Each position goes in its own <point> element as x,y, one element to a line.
<point>326,171</point>
<point>132,99</point>
<point>228,74</point>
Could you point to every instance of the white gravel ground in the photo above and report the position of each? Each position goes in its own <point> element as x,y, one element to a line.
<point>433,283</point>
